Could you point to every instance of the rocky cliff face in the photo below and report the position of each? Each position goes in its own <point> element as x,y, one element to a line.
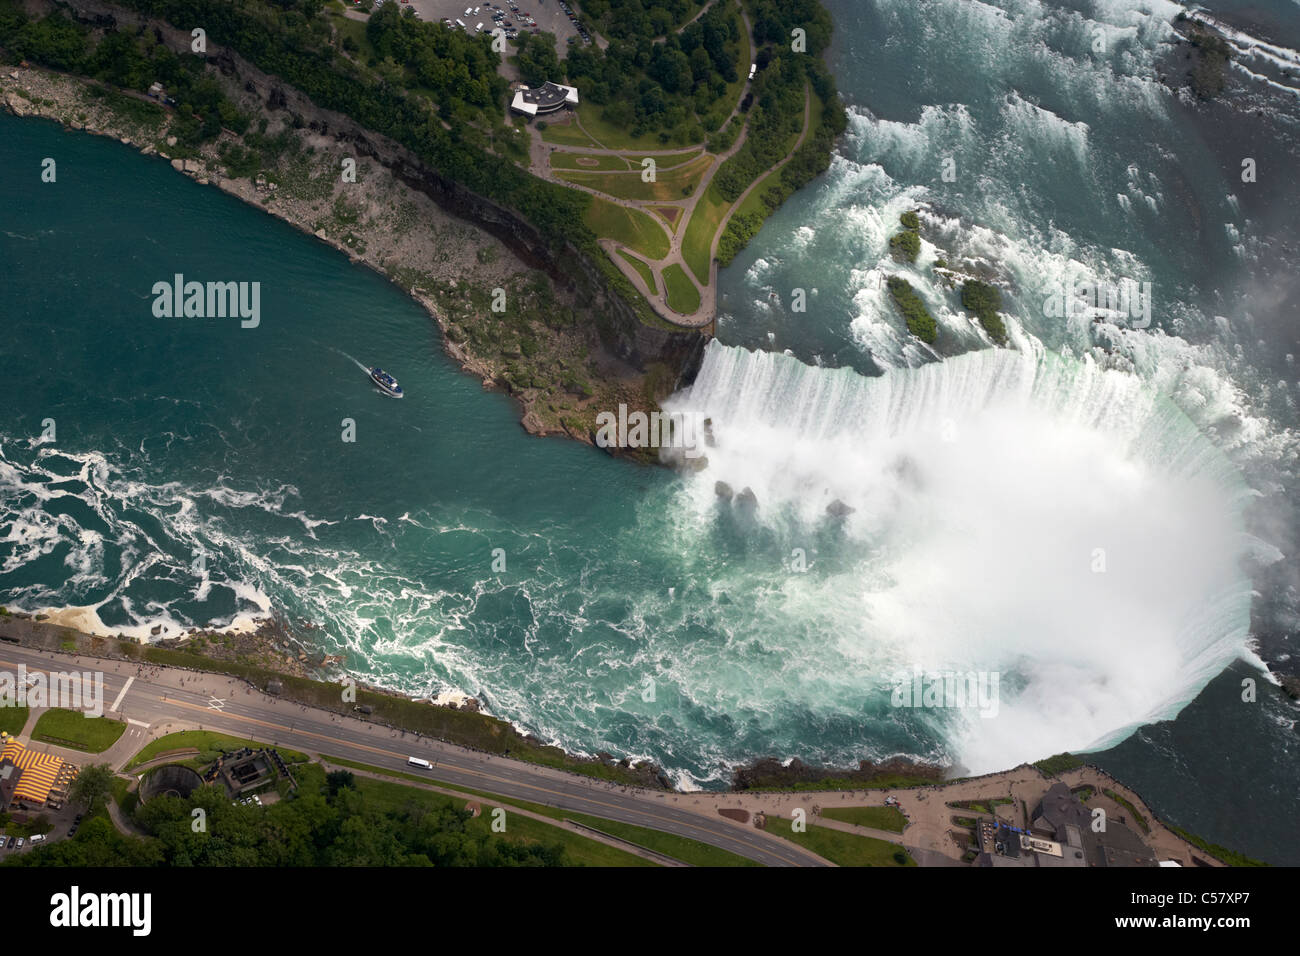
<point>620,329</point>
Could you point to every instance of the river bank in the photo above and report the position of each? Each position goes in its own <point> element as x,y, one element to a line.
<point>266,659</point>
<point>502,319</point>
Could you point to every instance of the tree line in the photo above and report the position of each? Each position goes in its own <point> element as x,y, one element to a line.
<point>328,821</point>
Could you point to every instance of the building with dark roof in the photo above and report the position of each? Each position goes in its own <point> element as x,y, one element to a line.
<point>547,98</point>
<point>9,775</point>
<point>1061,815</point>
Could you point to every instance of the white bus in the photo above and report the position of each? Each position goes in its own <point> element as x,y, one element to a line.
<point>418,762</point>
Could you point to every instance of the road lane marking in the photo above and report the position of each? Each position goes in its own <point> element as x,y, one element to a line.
<point>125,687</point>
<point>479,773</point>
<point>797,860</point>
<point>137,723</point>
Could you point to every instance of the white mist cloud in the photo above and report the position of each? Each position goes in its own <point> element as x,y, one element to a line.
<point>986,489</point>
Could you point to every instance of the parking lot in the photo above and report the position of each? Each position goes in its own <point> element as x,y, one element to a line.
<point>519,16</point>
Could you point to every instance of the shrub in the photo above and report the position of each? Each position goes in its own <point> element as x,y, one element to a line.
<point>919,320</point>
<point>905,246</point>
<point>986,302</point>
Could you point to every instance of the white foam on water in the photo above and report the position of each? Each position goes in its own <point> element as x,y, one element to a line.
<point>982,489</point>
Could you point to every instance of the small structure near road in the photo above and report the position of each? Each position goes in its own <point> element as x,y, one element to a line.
<point>247,770</point>
<point>170,780</point>
<point>35,778</point>
<point>547,98</point>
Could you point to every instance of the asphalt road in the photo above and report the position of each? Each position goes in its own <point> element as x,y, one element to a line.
<point>168,700</point>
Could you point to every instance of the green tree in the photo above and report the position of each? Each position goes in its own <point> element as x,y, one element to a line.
<point>92,787</point>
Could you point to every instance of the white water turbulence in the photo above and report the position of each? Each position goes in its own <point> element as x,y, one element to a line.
<point>1019,513</point>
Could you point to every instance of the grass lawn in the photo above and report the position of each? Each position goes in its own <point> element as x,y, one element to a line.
<point>609,136</point>
<point>595,164</point>
<point>582,851</point>
<point>697,243</point>
<point>683,296</point>
<point>670,184</point>
<point>678,159</point>
<point>646,273</point>
<point>1133,811</point>
<point>679,848</point>
<point>209,745</point>
<point>568,134</point>
<point>356,29</point>
<point>71,728</point>
<point>879,818</point>
<point>630,227</point>
<point>1051,766</point>
<point>13,719</point>
<point>842,849</point>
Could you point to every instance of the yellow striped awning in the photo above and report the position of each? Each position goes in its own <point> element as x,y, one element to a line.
<point>40,771</point>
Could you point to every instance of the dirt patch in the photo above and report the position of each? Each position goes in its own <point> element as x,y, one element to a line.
<point>669,214</point>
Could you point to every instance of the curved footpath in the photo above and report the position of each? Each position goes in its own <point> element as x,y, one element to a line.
<point>156,701</point>
<point>704,315</point>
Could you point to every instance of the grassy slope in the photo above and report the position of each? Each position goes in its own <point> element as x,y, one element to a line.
<point>585,852</point>
<point>879,818</point>
<point>669,184</point>
<point>208,743</point>
<point>13,719</point>
<point>561,160</point>
<point>646,273</point>
<point>71,728</point>
<point>679,848</point>
<point>630,227</point>
<point>697,243</point>
<point>842,849</point>
<point>683,296</point>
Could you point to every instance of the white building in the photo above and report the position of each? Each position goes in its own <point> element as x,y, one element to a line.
<point>547,98</point>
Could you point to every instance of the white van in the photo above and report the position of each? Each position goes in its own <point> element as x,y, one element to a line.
<point>418,762</point>
<point>479,28</point>
<point>38,837</point>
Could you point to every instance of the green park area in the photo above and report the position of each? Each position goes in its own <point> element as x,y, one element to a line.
<point>642,269</point>
<point>198,748</point>
<point>679,848</point>
<point>841,848</point>
<point>878,818</point>
<point>71,728</point>
<point>683,296</point>
<point>13,719</point>
<point>629,227</point>
<point>728,148</point>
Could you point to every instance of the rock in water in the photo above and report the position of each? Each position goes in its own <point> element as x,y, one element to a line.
<point>747,499</point>
<point>838,509</point>
<point>722,490</point>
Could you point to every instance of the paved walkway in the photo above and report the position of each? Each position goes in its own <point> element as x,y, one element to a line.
<point>540,154</point>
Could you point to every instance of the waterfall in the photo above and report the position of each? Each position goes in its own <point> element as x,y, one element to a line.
<point>1023,514</point>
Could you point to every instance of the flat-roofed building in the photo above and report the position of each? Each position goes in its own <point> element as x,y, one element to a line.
<point>547,98</point>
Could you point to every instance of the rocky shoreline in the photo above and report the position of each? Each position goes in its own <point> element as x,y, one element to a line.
<point>265,657</point>
<point>548,352</point>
